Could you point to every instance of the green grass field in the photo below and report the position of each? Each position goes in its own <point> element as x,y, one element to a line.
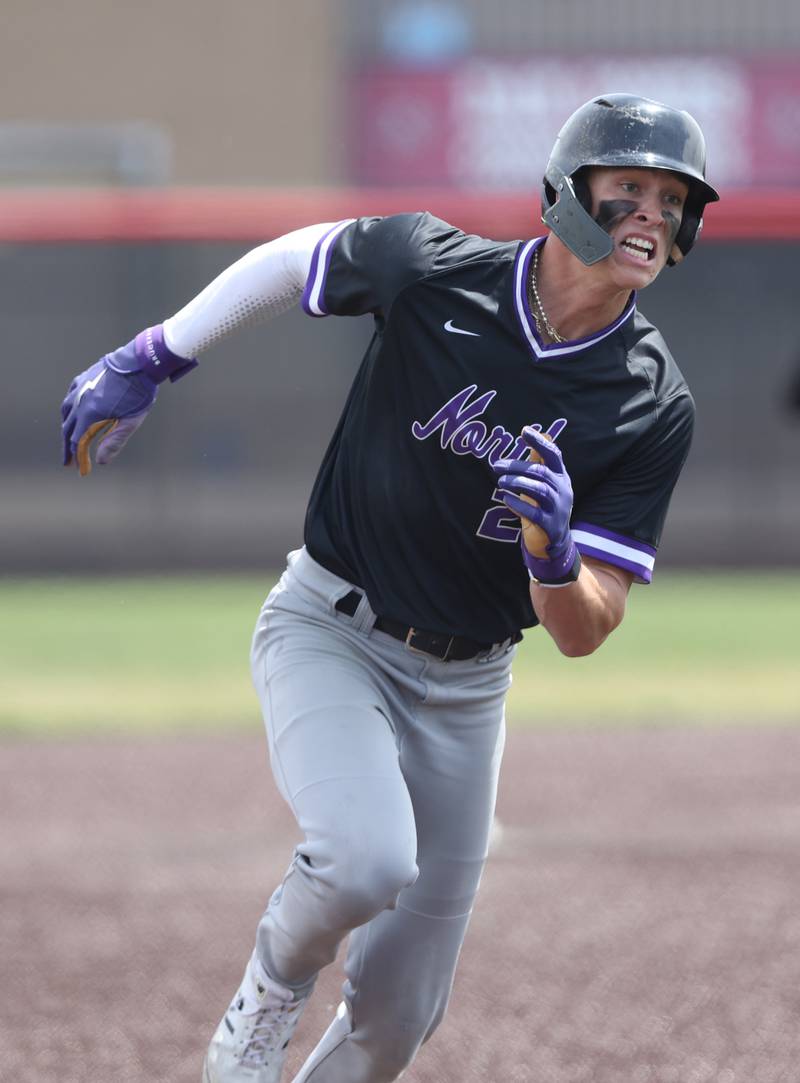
<point>164,654</point>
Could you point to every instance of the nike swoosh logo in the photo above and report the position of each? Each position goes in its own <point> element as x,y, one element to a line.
<point>90,385</point>
<point>459,331</point>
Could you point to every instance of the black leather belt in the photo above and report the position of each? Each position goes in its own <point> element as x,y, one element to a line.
<point>438,644</point>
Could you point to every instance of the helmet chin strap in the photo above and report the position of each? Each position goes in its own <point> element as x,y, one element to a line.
<point>575,227</point>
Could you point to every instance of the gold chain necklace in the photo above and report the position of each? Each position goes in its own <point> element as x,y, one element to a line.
<point>537,308</point>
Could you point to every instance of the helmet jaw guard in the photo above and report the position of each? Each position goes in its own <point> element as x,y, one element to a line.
<point>621,130</point>
<point>575,227</point>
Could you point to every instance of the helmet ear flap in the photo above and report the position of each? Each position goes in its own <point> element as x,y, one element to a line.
<point>580,183</point>
<point>691,226</point>
<point>569,220</point>
<point>548,195</point>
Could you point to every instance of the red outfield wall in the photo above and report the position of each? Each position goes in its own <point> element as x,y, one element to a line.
<point>249,214</point>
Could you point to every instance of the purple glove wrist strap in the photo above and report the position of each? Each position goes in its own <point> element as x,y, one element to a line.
<point>156,360</point>
<point>149,354</point>
<point>561,568</point>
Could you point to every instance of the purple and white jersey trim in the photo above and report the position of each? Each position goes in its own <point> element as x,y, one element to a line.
<point>634,556</point>
<point>528,324</point>
<point>320,262</point>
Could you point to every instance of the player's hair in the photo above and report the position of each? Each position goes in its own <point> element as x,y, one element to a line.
<point>622,130</point>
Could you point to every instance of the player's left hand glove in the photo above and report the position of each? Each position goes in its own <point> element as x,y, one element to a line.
<point>109,401</point>
<point>539,490</point>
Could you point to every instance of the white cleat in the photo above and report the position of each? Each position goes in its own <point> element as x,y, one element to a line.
<point>249,1045</point>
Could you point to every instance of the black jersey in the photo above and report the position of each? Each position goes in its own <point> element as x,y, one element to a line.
<point>404,504</point>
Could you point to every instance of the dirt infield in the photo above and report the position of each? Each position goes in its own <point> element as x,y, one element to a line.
<point>639,920</point>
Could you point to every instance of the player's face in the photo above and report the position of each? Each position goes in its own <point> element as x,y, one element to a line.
<point>641,209</point>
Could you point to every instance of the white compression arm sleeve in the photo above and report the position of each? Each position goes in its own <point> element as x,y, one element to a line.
<point>265,282</point>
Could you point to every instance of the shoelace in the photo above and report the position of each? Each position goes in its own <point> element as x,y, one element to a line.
<point>270,1032</point>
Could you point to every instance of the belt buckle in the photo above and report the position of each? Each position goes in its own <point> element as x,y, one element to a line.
<point>418,650</point>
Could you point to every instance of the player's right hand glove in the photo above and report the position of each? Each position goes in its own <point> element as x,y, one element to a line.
<point>109,401</point>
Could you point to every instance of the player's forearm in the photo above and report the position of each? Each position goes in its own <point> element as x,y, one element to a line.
<point>109,401</point>
<point>579,617</point>
<point>265,282</point>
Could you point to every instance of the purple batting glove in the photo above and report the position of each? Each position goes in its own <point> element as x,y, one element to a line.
<point>109,401</point>
<point>548,483</point>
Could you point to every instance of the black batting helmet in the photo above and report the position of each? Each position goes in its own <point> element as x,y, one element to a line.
<point>622,130</point>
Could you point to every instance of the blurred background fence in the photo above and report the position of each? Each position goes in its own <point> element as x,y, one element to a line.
<point>133,173</point>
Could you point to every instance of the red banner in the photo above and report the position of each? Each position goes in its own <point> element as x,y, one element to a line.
<point>490,123</point>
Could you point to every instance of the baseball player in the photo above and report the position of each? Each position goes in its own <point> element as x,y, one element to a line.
<point>506,386</point>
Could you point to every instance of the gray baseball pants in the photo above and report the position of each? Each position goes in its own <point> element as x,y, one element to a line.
<point>389,761</point>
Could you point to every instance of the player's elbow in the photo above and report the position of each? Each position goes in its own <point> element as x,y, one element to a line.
<point>581,640</point>
<point>579,646</point>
